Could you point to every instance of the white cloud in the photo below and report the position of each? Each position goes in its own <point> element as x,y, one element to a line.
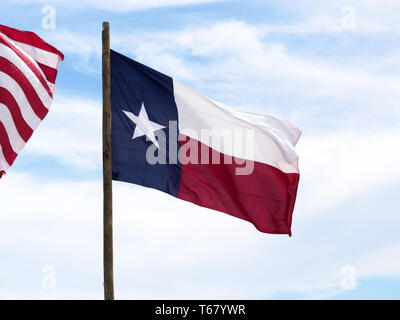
<point>338,166</point>
<point>61,222</point>
<point>129,5</point>
<point>235,57</point>
<point>70,133</point>
<point>82,51</point>
<point>382,262</point>
<point>165,247</point>
<point>121,5</point>
<point>341,18</point>
<point>229,56</point>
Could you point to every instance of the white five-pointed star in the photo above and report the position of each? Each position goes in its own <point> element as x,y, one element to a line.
<point>143,125</point>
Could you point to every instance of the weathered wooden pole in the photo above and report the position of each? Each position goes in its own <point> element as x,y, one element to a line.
<point>107,169</point>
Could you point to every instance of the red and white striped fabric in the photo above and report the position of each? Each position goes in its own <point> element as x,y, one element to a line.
<point>28,70</point>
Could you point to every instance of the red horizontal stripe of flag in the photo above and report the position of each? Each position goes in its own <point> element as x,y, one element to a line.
<point>50,73</point>
<point>8,151</point>
<point>266,197</point>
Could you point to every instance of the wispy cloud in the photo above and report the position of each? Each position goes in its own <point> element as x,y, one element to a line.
<point>169,248</point>
<point>82,51</point>
<point>234,56</point>
<point>70,134</point>
<point>121,5</point>
<point>344,164</point>
<point>327,17</point>
<point>382,262</point>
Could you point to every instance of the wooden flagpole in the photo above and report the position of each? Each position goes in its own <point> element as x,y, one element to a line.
<point>107,169</point>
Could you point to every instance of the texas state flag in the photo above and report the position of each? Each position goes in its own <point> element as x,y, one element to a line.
<point>169,137</point>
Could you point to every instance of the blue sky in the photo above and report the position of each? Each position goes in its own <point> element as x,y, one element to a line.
<point>330,67</point>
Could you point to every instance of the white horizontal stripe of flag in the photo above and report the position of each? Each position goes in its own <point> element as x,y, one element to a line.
<point>273,140</point>
<point>44,57</point>
<point>3,163</point>
<point>17,143</point>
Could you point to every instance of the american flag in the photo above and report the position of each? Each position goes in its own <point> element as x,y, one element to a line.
<point>28,70</point>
